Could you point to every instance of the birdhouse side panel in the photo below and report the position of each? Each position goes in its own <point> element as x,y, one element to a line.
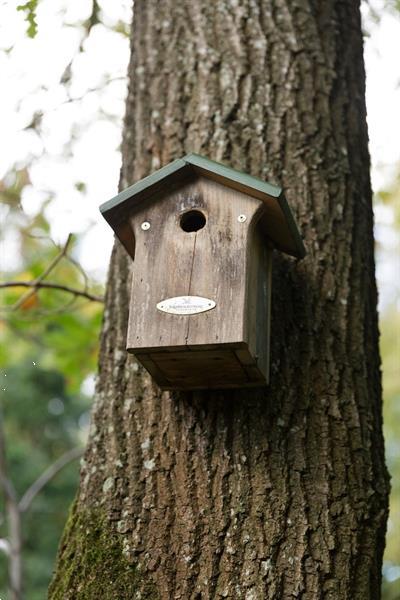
<point>258,302</point>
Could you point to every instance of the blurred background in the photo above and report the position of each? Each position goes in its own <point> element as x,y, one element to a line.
<point>63,80</point>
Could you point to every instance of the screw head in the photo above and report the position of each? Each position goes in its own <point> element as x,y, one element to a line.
<point>145,225</point>
<point>242,218</point>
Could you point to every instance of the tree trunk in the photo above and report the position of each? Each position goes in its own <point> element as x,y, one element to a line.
<point>266,494</point>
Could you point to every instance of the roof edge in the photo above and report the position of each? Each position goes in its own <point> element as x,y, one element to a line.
<point>141,185</point>
<point>249,181</point>
<point>116,210</point>
<point>291,223</point>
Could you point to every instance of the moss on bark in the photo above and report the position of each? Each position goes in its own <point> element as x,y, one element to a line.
<point>91,562</point>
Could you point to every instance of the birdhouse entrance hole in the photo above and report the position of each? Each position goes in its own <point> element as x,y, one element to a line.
<point>193,220</point>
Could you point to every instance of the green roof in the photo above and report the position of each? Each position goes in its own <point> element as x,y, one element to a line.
<point>278,224</point>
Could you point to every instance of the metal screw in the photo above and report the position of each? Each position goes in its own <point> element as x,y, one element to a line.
<point>145,225</point>
<point>242,218</point>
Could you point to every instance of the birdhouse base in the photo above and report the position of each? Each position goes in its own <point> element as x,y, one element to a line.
<point>213,366</point>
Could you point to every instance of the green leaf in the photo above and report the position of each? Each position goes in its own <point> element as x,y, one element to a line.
<point>80,186</point>
<point>30,9</point>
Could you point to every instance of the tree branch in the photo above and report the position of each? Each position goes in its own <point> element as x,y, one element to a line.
<point>47,476</point>
<point>13,521</point>
<point>7,485</point>
<point>39,279</point>
<point>35,284</point>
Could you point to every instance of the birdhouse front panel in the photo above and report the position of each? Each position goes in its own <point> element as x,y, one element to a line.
<point>194,243</point>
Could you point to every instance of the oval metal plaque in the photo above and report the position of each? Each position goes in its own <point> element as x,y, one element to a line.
<point>186,305</point>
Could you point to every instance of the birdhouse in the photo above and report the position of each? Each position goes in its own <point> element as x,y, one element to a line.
<point>201,237</point>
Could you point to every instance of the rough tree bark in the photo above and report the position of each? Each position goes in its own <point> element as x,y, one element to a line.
<point>273,493</point>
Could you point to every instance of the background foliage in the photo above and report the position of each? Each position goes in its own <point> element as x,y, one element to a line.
<point>49,188</point>
<point>48,350</point>
<point>49,338</point>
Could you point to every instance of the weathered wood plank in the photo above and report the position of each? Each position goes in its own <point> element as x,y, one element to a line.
<point>207,369</point>
<point>258,301</point>
<point>219,265</point>
<point>162,267</point>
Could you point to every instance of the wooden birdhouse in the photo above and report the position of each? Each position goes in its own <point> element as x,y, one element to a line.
<point>201,237</point>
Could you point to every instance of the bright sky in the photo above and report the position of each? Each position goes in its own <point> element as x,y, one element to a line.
<point>30,76</point>
<point>382,51</point>
<point>30,73</point>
